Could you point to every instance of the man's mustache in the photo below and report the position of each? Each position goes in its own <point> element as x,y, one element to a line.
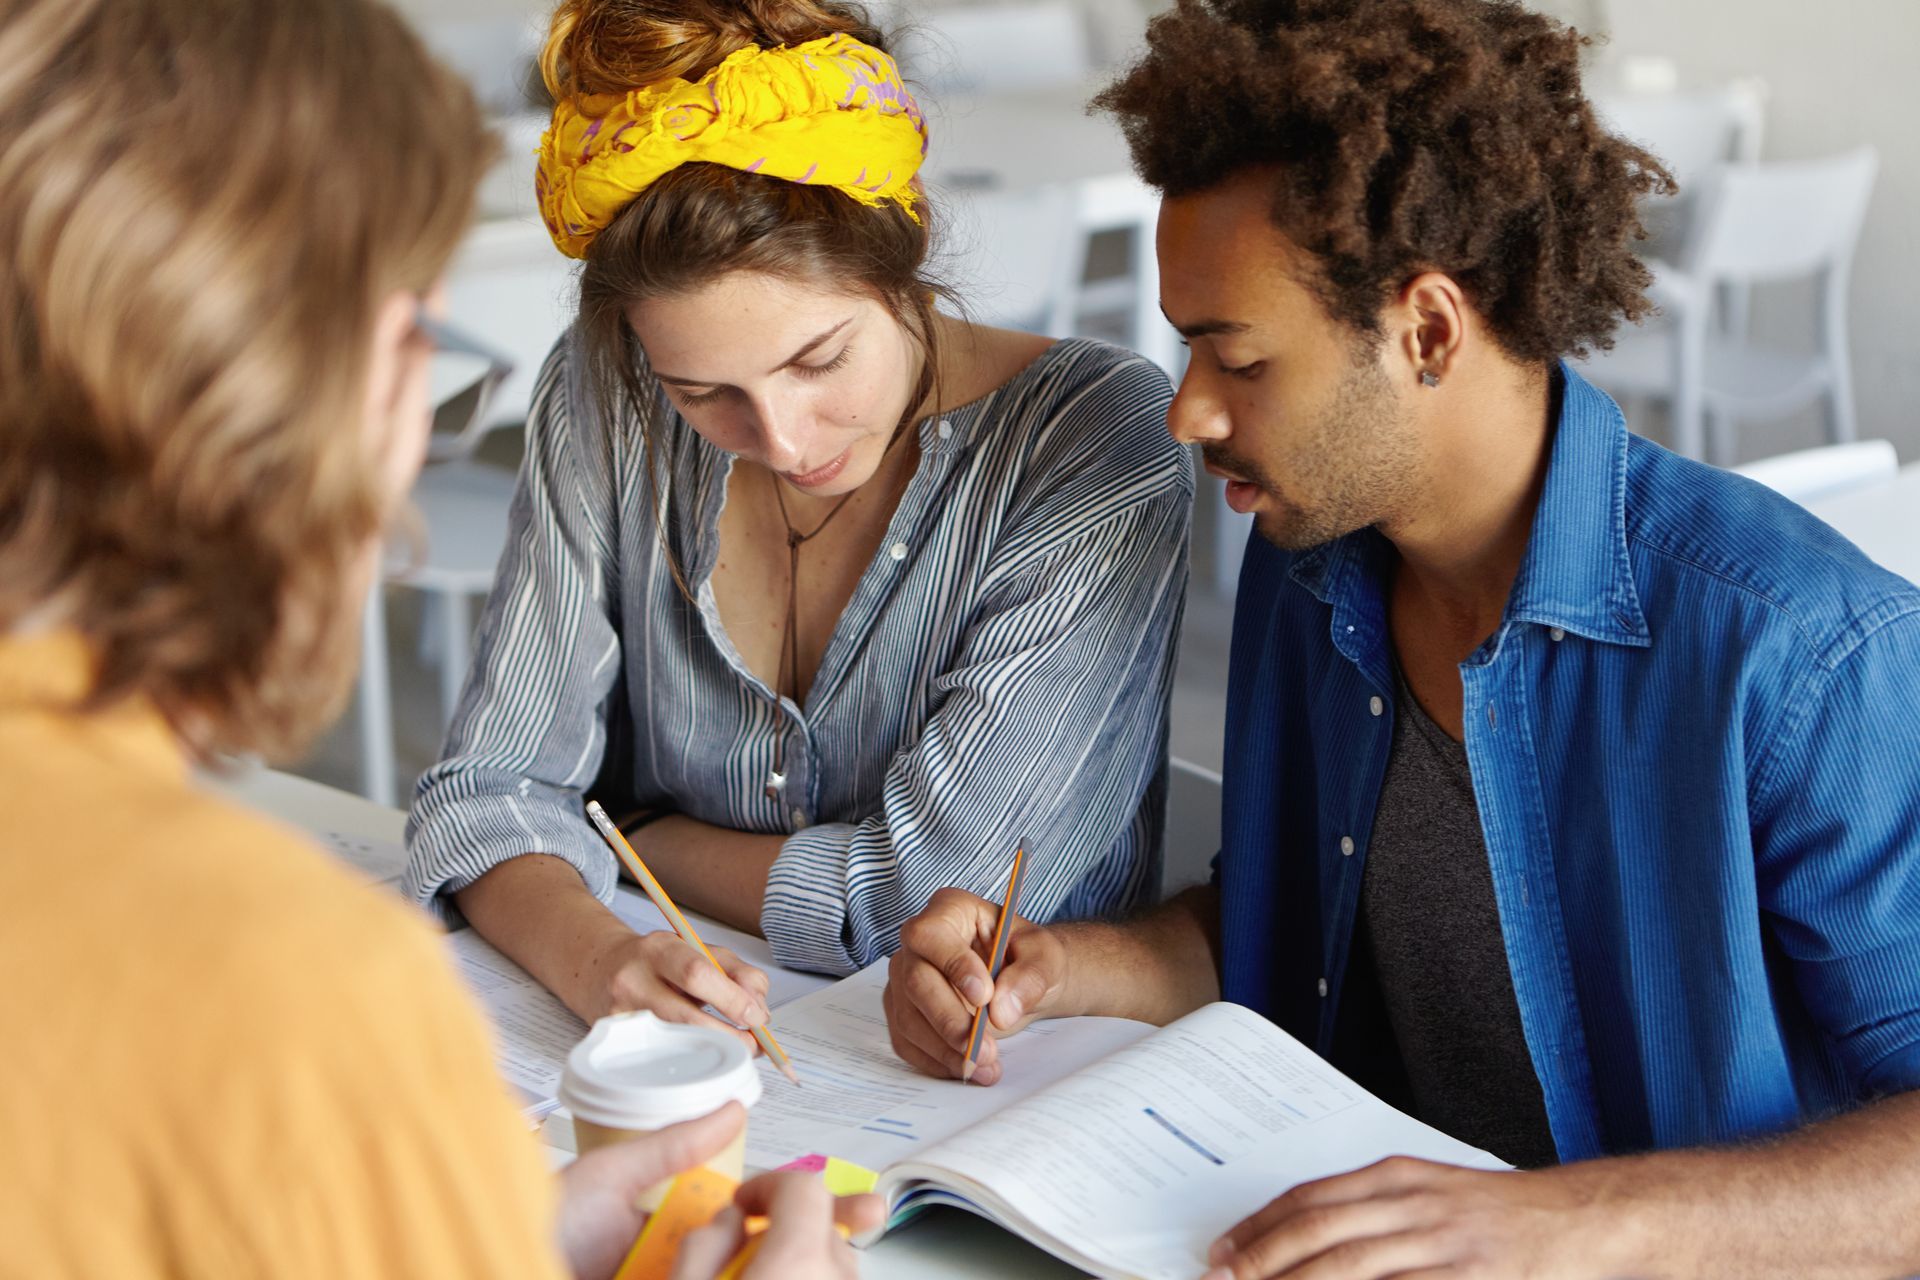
<point>1220,460</point>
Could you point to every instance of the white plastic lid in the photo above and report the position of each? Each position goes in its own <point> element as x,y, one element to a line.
<point>634,1071</point>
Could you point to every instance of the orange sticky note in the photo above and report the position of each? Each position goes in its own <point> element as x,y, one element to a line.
<point>691,1202</point>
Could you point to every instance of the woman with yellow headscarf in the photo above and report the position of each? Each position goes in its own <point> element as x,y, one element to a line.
<point>836,598</point>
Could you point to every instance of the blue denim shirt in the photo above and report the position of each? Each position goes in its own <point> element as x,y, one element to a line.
<point>1695,744</point>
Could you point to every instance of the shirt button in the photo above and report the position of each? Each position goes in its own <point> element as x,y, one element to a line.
<point>1375,705</point>
<point>898,551</point>
<point>1557,633</point>
<point>943,429</point>
<point>1346,846</point>
<point>1323,987</point>
<point>799,819</point>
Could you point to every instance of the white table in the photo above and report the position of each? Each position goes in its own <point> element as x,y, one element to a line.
<point>1883,520</point>
<point>946,1244</point>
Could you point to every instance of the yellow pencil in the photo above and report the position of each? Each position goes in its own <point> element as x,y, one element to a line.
<point>995,959</point>
<point>656,891</point>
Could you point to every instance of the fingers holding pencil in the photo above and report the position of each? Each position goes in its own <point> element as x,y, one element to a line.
<point>662,973</point>
<point>683,929</point>
<point>942,967</point>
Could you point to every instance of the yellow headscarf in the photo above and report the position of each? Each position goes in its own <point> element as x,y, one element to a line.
<point>832,112</point>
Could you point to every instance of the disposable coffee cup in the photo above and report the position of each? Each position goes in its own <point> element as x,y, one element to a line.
<point>635,1073</point>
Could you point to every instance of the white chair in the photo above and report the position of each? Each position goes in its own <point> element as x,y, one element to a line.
<point>509,287</point>
<point>1831,471</point>
<point>1694,134</point>
<point>1016,257</point>
<point>995,48</point>
<point>1193,827</point>
<point>1757,224</point>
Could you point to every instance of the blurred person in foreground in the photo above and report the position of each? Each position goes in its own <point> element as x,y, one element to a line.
<point>224,222</point>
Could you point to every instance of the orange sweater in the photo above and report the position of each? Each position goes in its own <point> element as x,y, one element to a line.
<point>219,1056</point>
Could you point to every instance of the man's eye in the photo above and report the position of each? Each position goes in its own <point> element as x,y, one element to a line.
<point>1246,371</point>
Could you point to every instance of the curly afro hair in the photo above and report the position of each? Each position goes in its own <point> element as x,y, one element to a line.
<point>1408,135</point>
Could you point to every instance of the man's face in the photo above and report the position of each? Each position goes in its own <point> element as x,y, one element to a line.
<point>1292,407</point>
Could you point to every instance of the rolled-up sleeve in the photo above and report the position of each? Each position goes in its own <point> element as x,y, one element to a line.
<point>1050,725</point>
<point>531,728</point>
<point>1838,836</point>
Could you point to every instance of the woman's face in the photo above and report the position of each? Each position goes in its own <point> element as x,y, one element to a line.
<point>806,382</point>
<point>399,417</point>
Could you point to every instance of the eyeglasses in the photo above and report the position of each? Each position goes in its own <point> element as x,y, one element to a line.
<point>463,378</point>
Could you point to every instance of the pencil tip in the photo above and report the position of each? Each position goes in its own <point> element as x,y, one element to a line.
<point>966,1071</point>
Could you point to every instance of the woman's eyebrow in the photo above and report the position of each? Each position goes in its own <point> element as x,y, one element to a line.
<point>808,349</point>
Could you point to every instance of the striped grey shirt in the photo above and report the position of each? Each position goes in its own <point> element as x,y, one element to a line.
<point>1002,669</point>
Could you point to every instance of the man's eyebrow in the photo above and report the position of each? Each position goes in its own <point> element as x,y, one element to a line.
<point>805,351</point>
<point>1207,328</point>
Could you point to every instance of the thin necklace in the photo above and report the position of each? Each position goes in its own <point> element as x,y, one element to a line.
<point>787,675</point>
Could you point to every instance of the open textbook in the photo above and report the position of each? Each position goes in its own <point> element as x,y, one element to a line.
<point>1121,1148</point>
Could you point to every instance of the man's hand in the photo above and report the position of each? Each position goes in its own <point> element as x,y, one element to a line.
<point>939,976</point>
<point>1413,1218</point>
<point>804,1239</point>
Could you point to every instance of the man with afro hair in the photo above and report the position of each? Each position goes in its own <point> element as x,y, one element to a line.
<point>1572,789</point>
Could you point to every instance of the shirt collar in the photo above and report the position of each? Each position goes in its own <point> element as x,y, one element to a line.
<point>50,673</point>
<point>1575,574</point>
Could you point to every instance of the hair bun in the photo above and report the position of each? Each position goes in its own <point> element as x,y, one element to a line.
<point>615,46</point>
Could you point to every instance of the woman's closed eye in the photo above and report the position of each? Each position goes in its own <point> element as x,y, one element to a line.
<point>822,370</point>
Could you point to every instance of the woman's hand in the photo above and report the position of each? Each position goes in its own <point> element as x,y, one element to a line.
<point>600,1215</point>
<point>805,1237</point>
<point>670,978</point>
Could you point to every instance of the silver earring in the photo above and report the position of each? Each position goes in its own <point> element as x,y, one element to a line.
<point>1428,378</point>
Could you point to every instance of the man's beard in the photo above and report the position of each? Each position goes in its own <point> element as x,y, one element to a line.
<point>1356,466</point>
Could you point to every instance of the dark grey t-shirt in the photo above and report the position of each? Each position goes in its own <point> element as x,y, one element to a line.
<point>1428,911</point>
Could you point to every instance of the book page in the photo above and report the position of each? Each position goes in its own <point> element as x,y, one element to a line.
<point>859,1101</point>
<point>1137,1163</point>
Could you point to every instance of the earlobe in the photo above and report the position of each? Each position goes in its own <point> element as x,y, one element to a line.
<point>1440,326</point>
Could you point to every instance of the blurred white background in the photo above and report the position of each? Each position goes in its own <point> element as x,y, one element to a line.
<point>1051,232</point>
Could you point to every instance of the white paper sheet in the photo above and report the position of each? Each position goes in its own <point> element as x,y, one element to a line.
<point>634,907</point>
<point>381,861</point>
<point>533,1030</point>
<point>859,1101</point>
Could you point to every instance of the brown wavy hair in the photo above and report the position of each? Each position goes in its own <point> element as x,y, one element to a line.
<point>202,205</point>
<point>1407,135</point>
<point>703,221</point>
